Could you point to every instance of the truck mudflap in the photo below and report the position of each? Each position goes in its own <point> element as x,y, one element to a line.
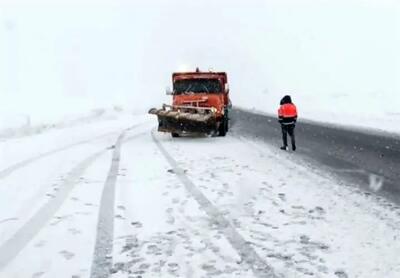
<point>185,120</point>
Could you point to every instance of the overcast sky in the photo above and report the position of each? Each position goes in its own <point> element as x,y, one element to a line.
<point>83,54</point>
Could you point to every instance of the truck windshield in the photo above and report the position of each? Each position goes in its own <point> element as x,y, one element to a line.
<point>197,86</point>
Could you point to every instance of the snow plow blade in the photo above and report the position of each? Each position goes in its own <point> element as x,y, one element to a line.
<point>185,119</point>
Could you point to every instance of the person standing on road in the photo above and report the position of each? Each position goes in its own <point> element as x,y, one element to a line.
<point>287,115</point>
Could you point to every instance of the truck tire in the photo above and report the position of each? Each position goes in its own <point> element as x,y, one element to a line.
<point>173,134</point>
<point>223,127</point>
<point>227,119</point>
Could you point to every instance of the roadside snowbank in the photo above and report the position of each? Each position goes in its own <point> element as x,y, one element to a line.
<point>22,124</point>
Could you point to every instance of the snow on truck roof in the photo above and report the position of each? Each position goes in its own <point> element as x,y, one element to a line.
<point>200,75</point>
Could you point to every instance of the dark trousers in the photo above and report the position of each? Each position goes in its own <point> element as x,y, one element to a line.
<point>288,129</point>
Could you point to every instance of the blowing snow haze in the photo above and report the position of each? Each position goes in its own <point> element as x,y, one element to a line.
<point>66,57</point>
<point>99,179</point>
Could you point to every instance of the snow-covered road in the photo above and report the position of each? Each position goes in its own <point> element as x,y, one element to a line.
<point>114,198</point>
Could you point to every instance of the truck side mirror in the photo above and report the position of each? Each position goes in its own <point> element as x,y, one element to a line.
<point>168,91</point>
<point>226,88</point>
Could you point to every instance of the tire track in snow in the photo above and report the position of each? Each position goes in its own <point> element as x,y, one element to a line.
<point>8,171</point>
<point>13,246</point>
<point>248,255</point>
<point>102,256</point>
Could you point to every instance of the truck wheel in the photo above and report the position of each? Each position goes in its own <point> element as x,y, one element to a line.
<point>223,127</point>
<point>226,117</point>
<point>173,134</point>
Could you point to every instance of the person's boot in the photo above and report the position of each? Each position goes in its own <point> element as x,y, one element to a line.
<point>285,148</point>
<point>293,147</point>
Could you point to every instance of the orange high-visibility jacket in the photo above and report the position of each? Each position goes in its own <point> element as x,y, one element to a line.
<point>287,113</point>
<point>287,110</point>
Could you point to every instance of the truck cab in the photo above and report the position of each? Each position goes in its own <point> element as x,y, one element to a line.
<point>200,104</point>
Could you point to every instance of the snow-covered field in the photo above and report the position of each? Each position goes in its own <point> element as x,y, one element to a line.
<point>112,196</point>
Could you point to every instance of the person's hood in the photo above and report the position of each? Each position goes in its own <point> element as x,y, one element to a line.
<point>286,99</point>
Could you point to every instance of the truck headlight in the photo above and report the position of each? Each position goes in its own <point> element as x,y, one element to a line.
<point>213,110</point>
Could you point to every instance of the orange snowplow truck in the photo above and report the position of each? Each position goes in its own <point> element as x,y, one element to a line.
<point>200,104</point>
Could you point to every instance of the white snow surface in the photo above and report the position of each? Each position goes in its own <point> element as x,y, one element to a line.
<point>298,220</point>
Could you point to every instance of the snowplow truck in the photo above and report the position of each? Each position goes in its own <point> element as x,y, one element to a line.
<point>200,104</point>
